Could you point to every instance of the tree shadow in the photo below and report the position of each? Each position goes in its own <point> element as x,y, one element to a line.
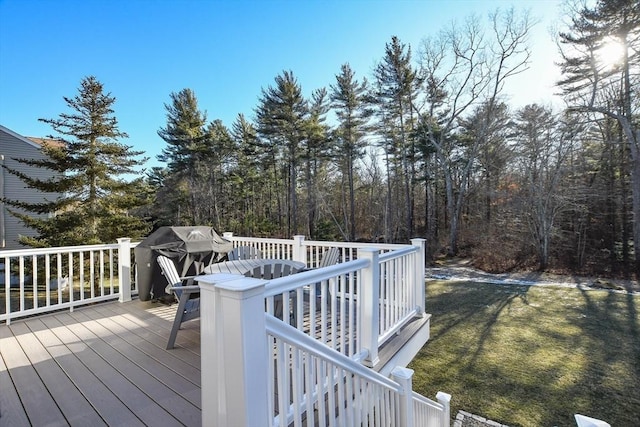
<point>609,324</point>
<point>512,354</point>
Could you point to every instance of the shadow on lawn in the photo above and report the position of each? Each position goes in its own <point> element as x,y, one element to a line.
<point>533,356</point>
<point>610,326</point>
<point>477,303</point>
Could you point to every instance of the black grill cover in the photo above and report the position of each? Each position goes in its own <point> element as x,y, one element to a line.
<point>190,248</point>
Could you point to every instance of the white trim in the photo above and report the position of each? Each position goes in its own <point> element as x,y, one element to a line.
<point>20,137</point>
<point>3,233</point>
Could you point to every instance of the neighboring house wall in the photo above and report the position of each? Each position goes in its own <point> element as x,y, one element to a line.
<point>14,146</point>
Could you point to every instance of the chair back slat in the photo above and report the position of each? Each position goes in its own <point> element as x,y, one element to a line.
<point>169,270</point>
<point>244,252</point>
<point>329,257</point>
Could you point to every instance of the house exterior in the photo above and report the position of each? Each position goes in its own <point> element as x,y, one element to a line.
<point>12,146</point>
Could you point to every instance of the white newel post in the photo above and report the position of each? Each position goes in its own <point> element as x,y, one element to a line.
<point>419,273</point>
<point>403,376</point>
<point>299,250</point>
<point>233,349</point>
<point>369,302</point>
<point>227,235</point>
<point>445,400</point>
<point>124,268</point>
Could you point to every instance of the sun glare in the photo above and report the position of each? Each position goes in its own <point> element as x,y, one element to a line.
<point>610,54</point>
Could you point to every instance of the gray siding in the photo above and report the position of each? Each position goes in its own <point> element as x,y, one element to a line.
<point>13,146</point>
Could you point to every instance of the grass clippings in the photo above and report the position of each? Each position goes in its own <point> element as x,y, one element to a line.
<point>533,356</point>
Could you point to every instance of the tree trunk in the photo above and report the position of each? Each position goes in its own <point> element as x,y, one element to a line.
<point>352,202</point>
<point>635,191</point>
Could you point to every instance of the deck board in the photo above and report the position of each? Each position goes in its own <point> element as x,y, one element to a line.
<point>11,410</point>
<point>34,395</point>
<point>132,347</point>
<point>105,364</point>
<point>123,377</point>
<point>105,405</point>
<point>77,410</point>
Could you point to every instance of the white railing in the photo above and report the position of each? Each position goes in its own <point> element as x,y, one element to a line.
<point>356,305</point>
<point>312,385</point>
<point>251,354</point>
<point>308,251</point>
<point>269,248</point>
<point>35,281</point>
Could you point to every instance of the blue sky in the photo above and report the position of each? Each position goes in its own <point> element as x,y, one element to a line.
<point>226,51</point>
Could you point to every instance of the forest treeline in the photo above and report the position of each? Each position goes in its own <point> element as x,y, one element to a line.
<point>428,146</point>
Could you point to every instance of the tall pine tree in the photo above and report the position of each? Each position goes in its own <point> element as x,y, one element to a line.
<point>91,201</point>
<point>281,118</point>
<point>186,138</point>
<point>349,101</point>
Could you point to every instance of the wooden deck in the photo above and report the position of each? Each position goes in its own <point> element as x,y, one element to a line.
<point>105,364</point>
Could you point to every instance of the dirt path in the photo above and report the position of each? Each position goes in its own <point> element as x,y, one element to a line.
<point>457,269</point>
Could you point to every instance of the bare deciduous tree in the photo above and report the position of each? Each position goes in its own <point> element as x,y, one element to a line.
<point>470,66</point>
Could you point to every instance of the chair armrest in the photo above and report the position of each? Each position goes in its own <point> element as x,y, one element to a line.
<point>186,289</point>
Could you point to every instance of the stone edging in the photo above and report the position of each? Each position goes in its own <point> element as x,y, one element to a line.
<point>465,418</point>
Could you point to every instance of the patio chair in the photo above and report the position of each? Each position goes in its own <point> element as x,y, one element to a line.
<point>329,257</point>
<point>188,296</point>
<point>244,252</point>
<point>273,271</point>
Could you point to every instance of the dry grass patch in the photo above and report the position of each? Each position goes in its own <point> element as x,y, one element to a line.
<point>533,356</point>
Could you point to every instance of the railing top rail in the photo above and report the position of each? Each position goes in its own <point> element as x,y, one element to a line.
<point>293,281</point>
<point>399,252</point>
<point>426,401</point>
<point>61,249</point>
<point>291,335</point>
<point>259,239</point>
<point>353,244</point>
<point>326,243</point>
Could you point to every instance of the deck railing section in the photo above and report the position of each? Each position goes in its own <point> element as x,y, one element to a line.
<point>401,289</point>
<point>252,354</point>
<point>308,251</point>
<point>322,303</point>
<point>35,281</point>
<point>269,248</point>
<point>355,305</point>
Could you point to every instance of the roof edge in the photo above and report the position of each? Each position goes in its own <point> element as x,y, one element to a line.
<point>20,137</point>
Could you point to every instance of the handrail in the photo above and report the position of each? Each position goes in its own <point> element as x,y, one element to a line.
<point>292,282</point>
<point>55,250</point>
<point>397,253</point>
<point>418,410</point>
<point>385,246</point>
<point>291,335</point>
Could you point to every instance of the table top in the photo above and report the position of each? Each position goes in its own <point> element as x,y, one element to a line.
<point>244,266</point>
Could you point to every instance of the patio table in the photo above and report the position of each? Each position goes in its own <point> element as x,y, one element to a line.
<point>245,266</point>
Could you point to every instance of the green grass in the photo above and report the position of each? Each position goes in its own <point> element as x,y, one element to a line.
<point>532,356</point>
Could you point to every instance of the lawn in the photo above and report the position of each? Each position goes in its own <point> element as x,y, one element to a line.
<point>532,356</point>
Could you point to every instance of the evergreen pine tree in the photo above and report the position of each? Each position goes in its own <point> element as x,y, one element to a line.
<point>281,118</point>
<point>186,138</point>
<point>348,99</point>
<point>90,200</point>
